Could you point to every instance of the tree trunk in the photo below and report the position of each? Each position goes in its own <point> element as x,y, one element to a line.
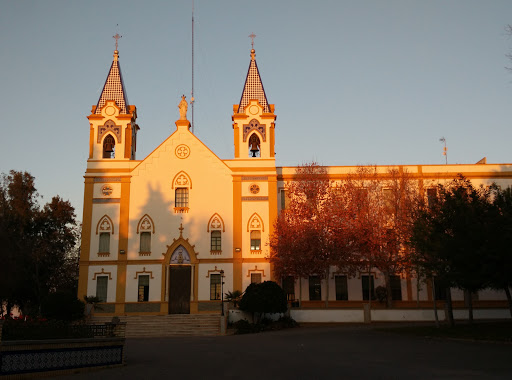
<point>469,297</point>
<point>327,289</point>
<point>370,293</point>
<point>449,307</point>
<point>418,291</point>
<point>389,293</point>
<point>435,303</point>
<point>300,291</point>
<point>509,298</point>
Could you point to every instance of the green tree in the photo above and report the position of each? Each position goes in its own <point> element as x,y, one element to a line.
<point>450,239</point>
<point>498,263</point>
<point>266,297</point>
<point>36,243</point>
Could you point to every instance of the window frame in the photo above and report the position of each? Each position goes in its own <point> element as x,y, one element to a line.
<point>215,286</point>
<point>181,198</point>
<point>216,241</point>
<point>102,288</point>
<point>143,287</point>
<point>341,287</point>
<point>102,244</point>
<point>315,288</point>
<point>256,241</point>
<point>148,242</point>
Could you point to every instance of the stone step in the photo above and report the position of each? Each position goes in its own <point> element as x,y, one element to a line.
<point>167,325</point>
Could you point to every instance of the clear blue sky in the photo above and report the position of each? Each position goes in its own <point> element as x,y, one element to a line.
<point>353,82</point>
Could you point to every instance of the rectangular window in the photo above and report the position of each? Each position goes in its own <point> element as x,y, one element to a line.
<point>289,287</point>
<point>101,288</point>
<point>367,286</point>
<point>216,241</point>
<point>315,288</point>
<point>396,288</point>
<point>104,242</point>
<point>388,200</point>
<point>439,289</point>
<point>181,197</point>
<point>255,240</point>
<point>285,200</point>
<point>255,278</point>
<point>431,196</point>
<point>215,286</point>
<point>143,288</point>
<point>145,242</point>
<point>341,288</point>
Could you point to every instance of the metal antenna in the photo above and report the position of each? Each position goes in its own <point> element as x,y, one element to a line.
<point>445,150</point>
<point>192,92</point>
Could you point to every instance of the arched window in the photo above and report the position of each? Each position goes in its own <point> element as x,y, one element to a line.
<point>255,240</point>
<point>254,146</point>
<point>109,147</point>
<point>216,241</point>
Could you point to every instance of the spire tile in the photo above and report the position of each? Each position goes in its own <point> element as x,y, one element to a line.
<point>253,88</point>
<point>114,88</point>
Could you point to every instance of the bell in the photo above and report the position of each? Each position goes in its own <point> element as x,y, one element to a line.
<point>254,143</point>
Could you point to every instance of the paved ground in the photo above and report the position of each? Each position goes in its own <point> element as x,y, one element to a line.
<point>310,353</point>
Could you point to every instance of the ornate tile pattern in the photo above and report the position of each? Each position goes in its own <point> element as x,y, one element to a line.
<point>50,360</point>
<point>113,89</point>
<point>253,89</point>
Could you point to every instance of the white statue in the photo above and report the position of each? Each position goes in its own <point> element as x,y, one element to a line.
<point>183,106</point>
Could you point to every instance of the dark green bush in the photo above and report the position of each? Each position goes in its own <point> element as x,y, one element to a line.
<point>266,297</point>
<point>62,306</point>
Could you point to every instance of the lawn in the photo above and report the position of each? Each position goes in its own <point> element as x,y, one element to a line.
<point>487,331</point>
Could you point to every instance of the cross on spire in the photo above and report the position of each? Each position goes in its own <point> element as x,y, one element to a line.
<point>117,37</point>
<point>252,36</point>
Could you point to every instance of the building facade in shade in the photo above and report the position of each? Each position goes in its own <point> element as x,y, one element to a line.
<point>171,232</point>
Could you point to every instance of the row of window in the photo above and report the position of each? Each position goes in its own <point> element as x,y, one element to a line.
<point>341,288</point>
<point>145,241</point>
<point>142,289</point>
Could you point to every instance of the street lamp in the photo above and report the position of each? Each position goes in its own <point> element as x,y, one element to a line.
<point>222,292</point>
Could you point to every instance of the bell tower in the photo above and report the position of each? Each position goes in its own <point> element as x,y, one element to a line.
<point>113,131</point>
<point>253,118</point>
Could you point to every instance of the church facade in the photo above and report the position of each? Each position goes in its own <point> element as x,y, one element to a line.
<point>174,231</point>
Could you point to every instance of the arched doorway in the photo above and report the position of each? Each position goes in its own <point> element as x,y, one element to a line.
<point>180,271</point>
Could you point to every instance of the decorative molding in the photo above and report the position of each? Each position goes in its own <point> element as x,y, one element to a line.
<point>144,271</point>
<point>249,199</point>
<point>103,254</point>
<point>210,271</point>
<point>106,190</point>
<point>107,179</point>
<point>109,126</point>
<point>146,218</point>
<point>144,253</point>
<point>254,188</point>
<point>215,218</point>
<point>182,151</point>
<point>181,210</point>
<point>256,251</point>
<point>254,178</point>
<point>102,273</point>
<point>182,179</point>
<point>216,252</point>
<point>254,125</point>
<point>256,270</point>
<point>108,227</point>
<point>255,223</point>
<point>106,200</point>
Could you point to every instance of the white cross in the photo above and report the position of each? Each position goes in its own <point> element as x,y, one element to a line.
<point>215,223</point>
<point>105,225</point>
<point>146,225</point>
<point>255,223</point>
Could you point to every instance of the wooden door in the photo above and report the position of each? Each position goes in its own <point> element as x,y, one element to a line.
<point>179,289</point>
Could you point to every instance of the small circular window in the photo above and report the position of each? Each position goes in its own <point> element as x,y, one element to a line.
<point>106,190</point>
<point>254,189</point>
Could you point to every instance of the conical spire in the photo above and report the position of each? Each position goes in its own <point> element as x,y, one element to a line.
<point>114,87</point>
<point>253,88</point>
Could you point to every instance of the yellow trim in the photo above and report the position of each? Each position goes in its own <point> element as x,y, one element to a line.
<point>272,139</point>
<point>237,233</point>
<point>91,141</point>
<point>221,220</point>
<point>102,273</point>
<point>236,138</point>
<point>109,221</point>
<point>256,270</point>
<point>255,215</point>
<point>151,220</point>
<point>128,141</point>
<point>120,170</point>
<point>124,221</point>
<point>186,175</point>
<point>86,237</point>
<point>272,212</point>
<point>144,271</point>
